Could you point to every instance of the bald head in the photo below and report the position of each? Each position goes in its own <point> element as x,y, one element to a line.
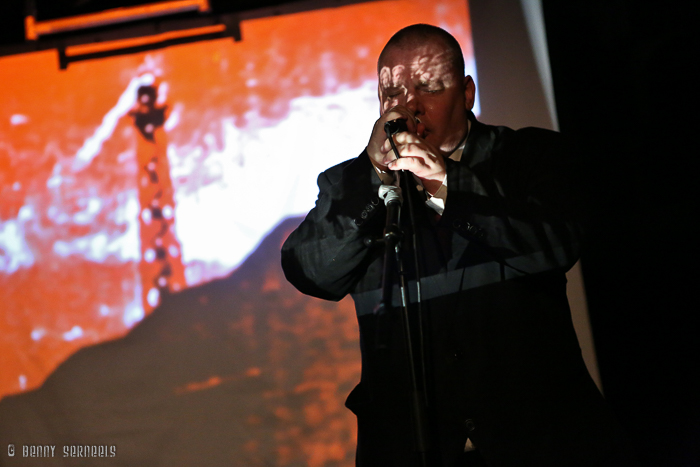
<point>417,35</point>
<point>421,73</point>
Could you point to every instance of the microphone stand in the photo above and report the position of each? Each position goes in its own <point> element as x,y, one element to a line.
<point>393,261</point>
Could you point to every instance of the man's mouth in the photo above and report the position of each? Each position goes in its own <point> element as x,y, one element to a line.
<point>420,128</point>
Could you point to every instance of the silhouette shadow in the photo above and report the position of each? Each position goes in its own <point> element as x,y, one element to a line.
<point>243,370</point>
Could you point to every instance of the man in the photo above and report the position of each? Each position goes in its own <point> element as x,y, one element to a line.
<point>498,225</point>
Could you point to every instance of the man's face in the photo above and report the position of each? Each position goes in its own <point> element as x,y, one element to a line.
<point>423,80</point>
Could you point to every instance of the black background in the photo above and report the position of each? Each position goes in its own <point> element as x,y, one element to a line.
<point>623,81</point>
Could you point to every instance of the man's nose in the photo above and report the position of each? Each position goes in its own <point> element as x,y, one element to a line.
<point>412,102</point>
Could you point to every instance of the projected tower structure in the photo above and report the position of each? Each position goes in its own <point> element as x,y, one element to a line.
<point>161,266</point>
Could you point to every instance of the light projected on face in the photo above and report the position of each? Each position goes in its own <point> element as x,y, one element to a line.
<point>88,243</point>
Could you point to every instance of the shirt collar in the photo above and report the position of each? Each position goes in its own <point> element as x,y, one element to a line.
<point>457,153</point>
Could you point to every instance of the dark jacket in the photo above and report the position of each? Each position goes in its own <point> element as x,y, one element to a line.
<point>503,363</point>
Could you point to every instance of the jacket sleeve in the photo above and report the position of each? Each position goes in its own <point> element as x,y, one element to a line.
<point>517,197</point>
<point>326,255</point>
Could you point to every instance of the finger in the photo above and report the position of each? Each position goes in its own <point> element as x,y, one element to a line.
<point>386,147</point>
<point>406,138</point>
<point>416,150</point>
<point>421,151</point>
<point>411,150</point>
<point>390,155</point>
<point>412,164</point>
<point>401,139</point>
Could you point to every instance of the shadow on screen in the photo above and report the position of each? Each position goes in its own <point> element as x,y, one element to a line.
<point>243,370</point>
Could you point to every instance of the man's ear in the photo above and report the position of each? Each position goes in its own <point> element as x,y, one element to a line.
<point>469,92</point>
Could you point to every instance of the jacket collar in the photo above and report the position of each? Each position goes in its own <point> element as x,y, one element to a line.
<point>479,142</point>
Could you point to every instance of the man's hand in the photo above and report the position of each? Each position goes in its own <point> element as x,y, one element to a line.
<point>376,142</point>
<point>417,156</point>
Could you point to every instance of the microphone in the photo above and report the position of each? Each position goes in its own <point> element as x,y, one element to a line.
<point>395,126</point>
<point>392,232</point>
<point>392,200</point>
<point>392,236</point>
<point>391,128</point>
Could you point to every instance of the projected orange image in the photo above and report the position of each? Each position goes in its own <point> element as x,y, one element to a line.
<point>127,183</point>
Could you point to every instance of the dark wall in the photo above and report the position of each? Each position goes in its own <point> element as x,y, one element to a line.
<point>623,84</point>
